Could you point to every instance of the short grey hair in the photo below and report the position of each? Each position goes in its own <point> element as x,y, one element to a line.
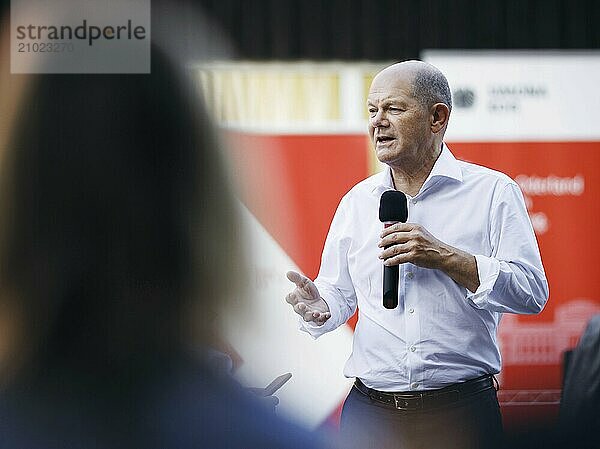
<point>430,86</point>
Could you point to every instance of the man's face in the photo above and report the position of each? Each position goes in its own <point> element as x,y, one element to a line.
<point>399,126</point>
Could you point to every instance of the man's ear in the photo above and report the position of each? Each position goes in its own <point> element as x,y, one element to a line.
<point>439,117</point>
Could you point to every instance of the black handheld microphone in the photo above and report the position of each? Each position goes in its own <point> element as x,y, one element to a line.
<point>392,209</point>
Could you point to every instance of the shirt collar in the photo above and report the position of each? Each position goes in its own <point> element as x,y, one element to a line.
<point>446,166</point>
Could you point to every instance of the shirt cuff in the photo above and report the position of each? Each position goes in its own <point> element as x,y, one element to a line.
<point>488,270</point>
<point>314,330</point>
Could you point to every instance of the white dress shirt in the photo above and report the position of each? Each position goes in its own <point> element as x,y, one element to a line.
<point>440,333</point>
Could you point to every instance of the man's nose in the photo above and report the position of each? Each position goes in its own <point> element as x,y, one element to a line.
<point>379,120</point>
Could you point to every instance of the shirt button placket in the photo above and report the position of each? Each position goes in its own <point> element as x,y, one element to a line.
<point>413,331</point>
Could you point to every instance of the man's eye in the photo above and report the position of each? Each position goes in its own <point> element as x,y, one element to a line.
<point>372,112</point>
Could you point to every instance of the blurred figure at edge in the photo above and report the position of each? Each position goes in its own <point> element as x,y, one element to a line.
<point>119,248</point>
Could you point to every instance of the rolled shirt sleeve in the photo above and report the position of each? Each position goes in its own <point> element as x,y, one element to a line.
<point>334,281</point>
<point>512,278</point>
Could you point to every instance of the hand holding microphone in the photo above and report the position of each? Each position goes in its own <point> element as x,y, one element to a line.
<point>392,209</point>
<point>409,242</point>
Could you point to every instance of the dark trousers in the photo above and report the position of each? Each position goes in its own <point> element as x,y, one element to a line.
<point>473,422</point>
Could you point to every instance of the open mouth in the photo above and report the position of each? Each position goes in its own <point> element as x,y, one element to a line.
<point>383,139</point>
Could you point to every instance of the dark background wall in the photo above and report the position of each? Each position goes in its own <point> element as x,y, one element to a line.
<point>391,29</point>
<point>399,29</point>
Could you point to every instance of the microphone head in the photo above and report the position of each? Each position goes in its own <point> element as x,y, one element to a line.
<point>393,207</point>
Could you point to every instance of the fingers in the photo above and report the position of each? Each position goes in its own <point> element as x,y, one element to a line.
<point>300,308</point>
<point>301,282</point>
<point>309,314</point>
<point>316,317</point>
<point>306,291</point>
<point>304,285</point>
<point>400,233</point>
<point>398,227</point>
<point>396,237</point>
<point>292,298</point>
<point>406,242</point>
<point>401,258</point>
<point>395,250</point>
<point>401,243</point>
<point>295,277</point>
<point>270,401</point>
<point>321,318</point>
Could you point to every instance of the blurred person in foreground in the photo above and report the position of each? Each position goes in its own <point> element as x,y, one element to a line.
<point>579,413</point>
<point>119,249</point>
<point>579,421</point>
<point>424,370</point>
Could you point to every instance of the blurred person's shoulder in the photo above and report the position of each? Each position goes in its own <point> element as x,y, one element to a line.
<point>185,405</point>
<point>203,407</point>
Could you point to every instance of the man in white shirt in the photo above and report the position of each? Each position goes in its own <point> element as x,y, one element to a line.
<point>467,254</point>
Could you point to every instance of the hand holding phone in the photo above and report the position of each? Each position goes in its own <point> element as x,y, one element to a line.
<point>277,383</point>
<point>270,389</point>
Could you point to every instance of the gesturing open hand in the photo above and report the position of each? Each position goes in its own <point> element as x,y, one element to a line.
<point>306,300</point>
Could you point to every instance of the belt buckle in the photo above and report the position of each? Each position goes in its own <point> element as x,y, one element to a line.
<point>408,403</point>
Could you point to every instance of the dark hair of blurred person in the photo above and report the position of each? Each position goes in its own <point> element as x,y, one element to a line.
<point>119,247</point>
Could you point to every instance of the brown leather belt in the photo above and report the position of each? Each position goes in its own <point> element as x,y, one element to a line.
<point>427,399</point>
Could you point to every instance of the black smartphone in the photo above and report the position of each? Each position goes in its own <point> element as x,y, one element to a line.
<point>277,383</point>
